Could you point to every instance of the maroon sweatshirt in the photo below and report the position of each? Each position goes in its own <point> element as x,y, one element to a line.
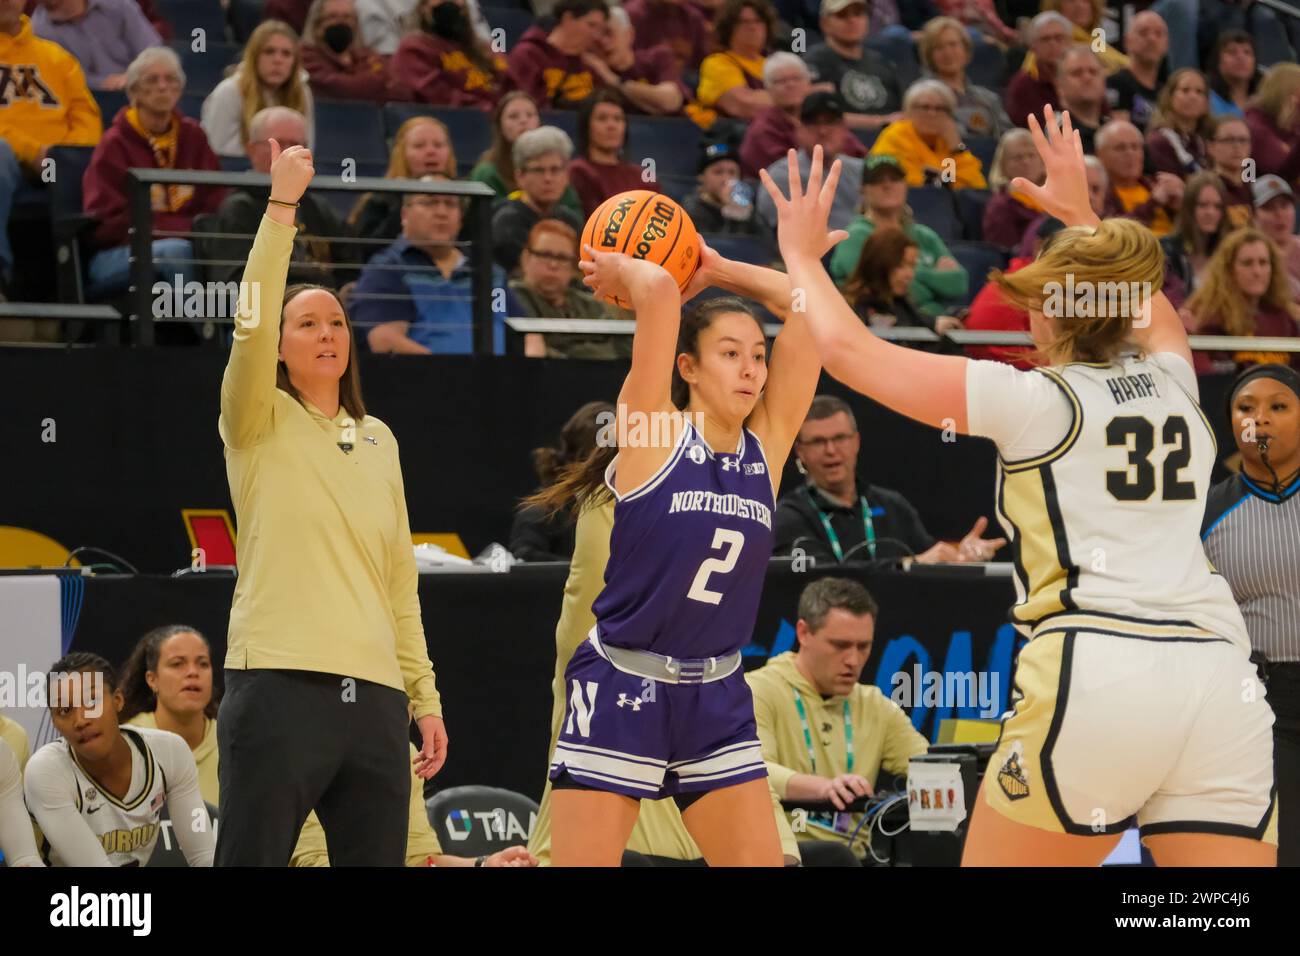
<point>1027,95</point>
<point>596,182</point>
<point>368,78</point>
<point>1005,221</point>
<point>554,79</point>
<point>437,71</point>
<point>1276,152</point>
<point>654,65</point>
<point>103,186</point>
<point>771,134</point>
<point>685,30</point>
<point>292,12</point>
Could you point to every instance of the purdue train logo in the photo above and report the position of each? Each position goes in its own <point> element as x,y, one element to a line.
<point>1012,778</point>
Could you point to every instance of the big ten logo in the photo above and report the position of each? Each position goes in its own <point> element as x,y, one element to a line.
<point>801,560</point>
<point>496,824</point>
<point>906,655</point>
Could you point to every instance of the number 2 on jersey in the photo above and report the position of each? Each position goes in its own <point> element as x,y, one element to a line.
<point>1137,482</point>
<point>733,541</point>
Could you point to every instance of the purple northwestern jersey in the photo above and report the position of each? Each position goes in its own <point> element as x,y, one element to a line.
<point>689,551</point>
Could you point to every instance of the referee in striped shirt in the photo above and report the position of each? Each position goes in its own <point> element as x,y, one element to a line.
<point>1252,537</point>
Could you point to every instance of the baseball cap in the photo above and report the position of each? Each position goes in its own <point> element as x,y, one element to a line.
<point>1268,188</point>
<point>882,166</point>
<point>835,6</point>
<point>715,151</point>
<point>821,103</point>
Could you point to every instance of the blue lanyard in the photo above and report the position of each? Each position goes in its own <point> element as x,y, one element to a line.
<point>868,526</point>
<point>807,733</point>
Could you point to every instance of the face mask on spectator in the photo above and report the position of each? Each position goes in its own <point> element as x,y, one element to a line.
<point>338,37</point>
<point>447,20</point>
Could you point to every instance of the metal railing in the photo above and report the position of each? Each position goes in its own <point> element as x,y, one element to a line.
<point>140,182</point>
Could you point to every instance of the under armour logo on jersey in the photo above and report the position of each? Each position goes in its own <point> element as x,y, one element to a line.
<point>756,468</point>
<point>730,464</point>
<point>581,709</point>
<point>696,454</point>
<point>633,702</point>
<point>23,82</point>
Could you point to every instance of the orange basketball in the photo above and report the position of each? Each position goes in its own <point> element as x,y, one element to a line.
<point>645,225</point>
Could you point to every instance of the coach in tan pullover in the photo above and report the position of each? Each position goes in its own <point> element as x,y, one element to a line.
<point>326,641</point>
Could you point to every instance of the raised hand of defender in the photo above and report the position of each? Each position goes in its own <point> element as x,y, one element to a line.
<point>291,172</point>
<point>802,221</point>
<point>1064,194</point>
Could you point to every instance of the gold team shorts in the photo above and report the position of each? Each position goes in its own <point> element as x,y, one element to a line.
<point>1116,722</point>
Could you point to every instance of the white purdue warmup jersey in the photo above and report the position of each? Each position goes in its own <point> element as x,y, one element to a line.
<point>126,828</point>
<point>1105,521</point>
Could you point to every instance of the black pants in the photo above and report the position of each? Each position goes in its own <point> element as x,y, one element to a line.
<point>1284,695</point>
<point>295,741</point>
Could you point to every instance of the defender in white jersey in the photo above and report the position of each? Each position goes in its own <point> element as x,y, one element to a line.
<point>1135,700</point>
<point>98,793</point>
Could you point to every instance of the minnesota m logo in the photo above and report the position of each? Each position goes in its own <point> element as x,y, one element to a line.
<point>23,82</point>
<point>582,709</point>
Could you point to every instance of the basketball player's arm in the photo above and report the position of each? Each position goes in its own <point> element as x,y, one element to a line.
<point>248,386</point>
<point>50,791</point>
<point>189,814</point>
<point>17,842</point>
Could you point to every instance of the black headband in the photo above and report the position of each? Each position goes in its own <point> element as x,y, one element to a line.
<point>1279,373</point>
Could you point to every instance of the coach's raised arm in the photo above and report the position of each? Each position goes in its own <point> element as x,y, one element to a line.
<point>325,642</point>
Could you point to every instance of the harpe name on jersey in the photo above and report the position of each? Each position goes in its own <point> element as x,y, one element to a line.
<point>1126,388</point>
<point>714,503</point>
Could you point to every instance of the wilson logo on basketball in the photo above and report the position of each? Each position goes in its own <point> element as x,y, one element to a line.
<point>609,238</point>
<point>656,228</point>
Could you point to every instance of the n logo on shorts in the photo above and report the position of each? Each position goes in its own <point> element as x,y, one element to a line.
<point>581,709</point>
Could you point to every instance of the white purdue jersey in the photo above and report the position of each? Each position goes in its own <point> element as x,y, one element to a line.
<point>1103,473</point>
<point>162,773</point>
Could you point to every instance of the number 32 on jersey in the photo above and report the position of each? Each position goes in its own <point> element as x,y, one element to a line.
<point>1138,482</point>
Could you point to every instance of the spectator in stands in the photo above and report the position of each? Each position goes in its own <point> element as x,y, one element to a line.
<point>857,732</point>
<point>1275,217</point>
<point>1152,201</point>
<point>416,295</point>
<point>977,16</point>
<point>422,147</point>
<point>338,61</point>
<point>321,253</point>
<point>385,22</point>
<point>1201,224</point>
<point>1009,212</point>
<point>167,685</point>
<point>877,288</point>
<point>678,23</point>
<point>1272,117</point>
<point>542,169</point>
<point>990,311</point>
<point>1085,17</point>
<point>927,142</point>
<point>149,133</point>
<point>865,80</point>
<point>1271,34</point>
<point>945,49</point>
<point>834,517</point>
<point>1180,125</point>
<point>539,534</point>
<point>29,127</point>
<point>1229,149</point>
<point>731,81</point>
<point>422,845</point>
<point>939,278</point>
<point>553,67</point>
<point>446,63</point>
<point>772,133</point>
<point>599,170</point>
<point>104,35</point>
<point>721,203</point>
<point>646,77</point>
<point>1034,85</point>
<point>1081,88</point>
<point>269,74</point>
<point>1132,91</point>
<point>545,290</point>
<point>515,114</point>
<point>1233,73</point>
<point>822,125</point>
<point>1245,292</point>
<point>296,13</point>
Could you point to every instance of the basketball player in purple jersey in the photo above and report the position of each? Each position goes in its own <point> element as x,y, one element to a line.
<point>658,704</point>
